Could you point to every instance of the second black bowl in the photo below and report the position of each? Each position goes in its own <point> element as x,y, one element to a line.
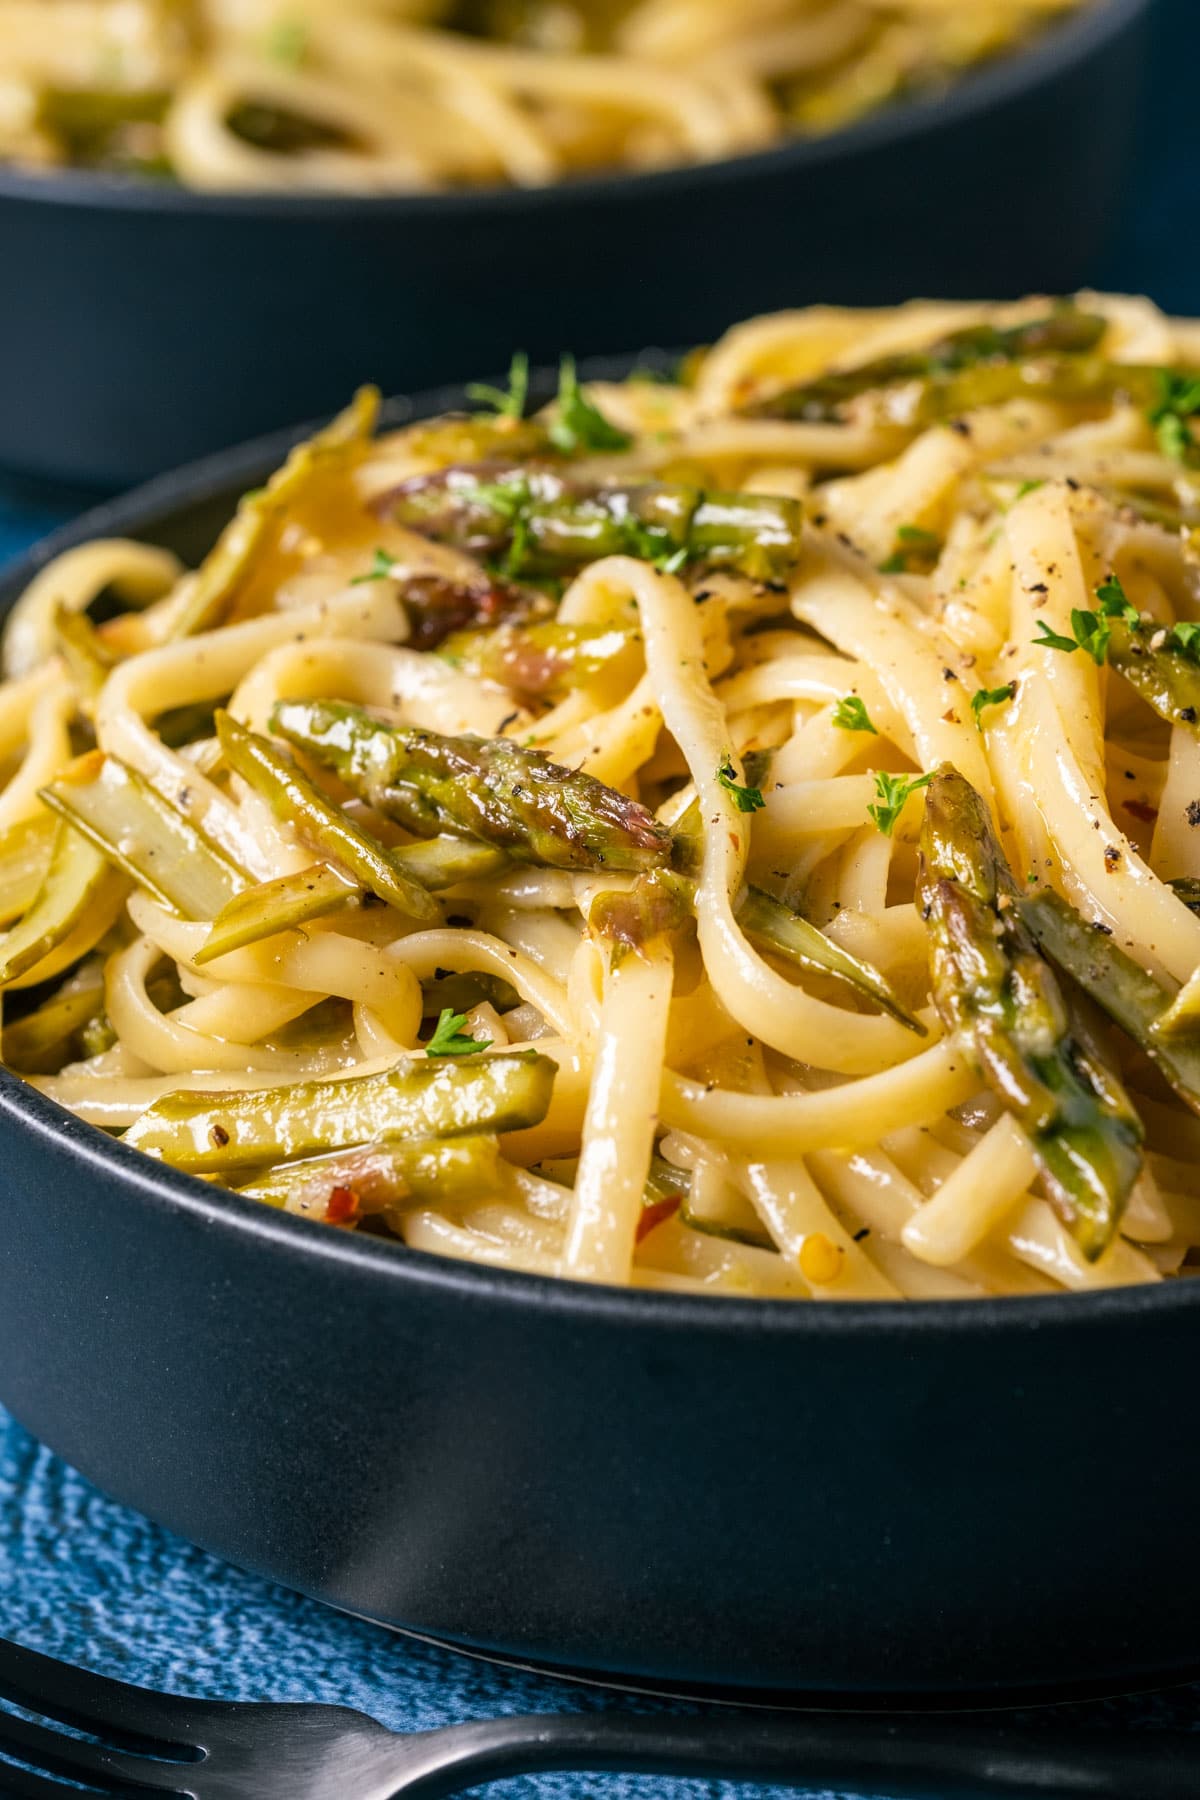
<point>142,326</point>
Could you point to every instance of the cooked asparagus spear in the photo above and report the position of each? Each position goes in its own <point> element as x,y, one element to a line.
<point>657,906</point>
<point>488,788</point>
<point>229,563</point>
<point>140,832</point>
<point>293,797</point>
<point>63,1027</point>
<point>781,930</point>
<point>543,523</point>
<point>1003,1002</point>
<point>438,607</point>
<point>346,1185</point>
<point>423,1097</point>
<point>24,858</point>
<point>271,906</point>
<point>776,928</point>
<point>1065,331</point>
<point>1118,984</point>
<point>544,660</point>
<point>1161,662</point>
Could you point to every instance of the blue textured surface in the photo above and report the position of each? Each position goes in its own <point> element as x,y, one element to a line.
<point>89,1581</point>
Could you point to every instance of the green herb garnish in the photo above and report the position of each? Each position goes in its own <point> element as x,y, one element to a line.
<point>985,697</point>
<point>1115,602</point>
<point>1178,403</point>
<point>287,42</point>
<point>746,799</point>
<point>449,1040</point>
<point>1053,640</point>
<point>893,792</point>
<point>850,714</point>
<point>580,424</point>
<point>509,402</point>
<point>382,565</point>
<point>916,551</point>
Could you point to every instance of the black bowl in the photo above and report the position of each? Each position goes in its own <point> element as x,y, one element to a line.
<point>942,1500</point>
<point>141,325</point>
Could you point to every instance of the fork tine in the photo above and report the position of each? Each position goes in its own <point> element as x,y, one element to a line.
<point>110,1771</point>
<point>24,1784</point>
<point>132,1717</point>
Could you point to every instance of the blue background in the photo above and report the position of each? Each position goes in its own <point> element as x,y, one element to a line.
<point>91,1582</point>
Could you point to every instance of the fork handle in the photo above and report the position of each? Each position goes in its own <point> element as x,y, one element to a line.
<point>908,1758</point>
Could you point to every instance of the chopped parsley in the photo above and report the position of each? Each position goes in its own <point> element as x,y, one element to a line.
<point>580,424</point>
<point>1187,636</point>
<point>916,552</point>
<point>893,792</point>
<point>1115,602</point>
<point>985,697</point>
<point>382,565</point>
<point>746,799</point>
<point>1053,640</point>
<point>287,42</point>
<point>1092,633</point>
<point>1027,487</point>
<point>850,714</point>
<point>1177,404</point>
<point>509,402</point>
<point>448,1038</point>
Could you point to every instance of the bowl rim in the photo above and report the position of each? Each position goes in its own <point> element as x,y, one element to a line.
<point>1064,45</point>
<point>21,1106</point>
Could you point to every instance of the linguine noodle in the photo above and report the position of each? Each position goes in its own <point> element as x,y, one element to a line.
<point>846,945</point>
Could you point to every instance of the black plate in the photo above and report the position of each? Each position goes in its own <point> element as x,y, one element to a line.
<point>141,325</point>
<point>955,1499</point>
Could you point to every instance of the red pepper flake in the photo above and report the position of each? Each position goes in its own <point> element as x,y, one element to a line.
<point>657,1213</point>
<point>1141,809</point>
<point>342,1208</point>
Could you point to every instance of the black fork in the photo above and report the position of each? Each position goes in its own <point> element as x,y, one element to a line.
<point>154,1743</point>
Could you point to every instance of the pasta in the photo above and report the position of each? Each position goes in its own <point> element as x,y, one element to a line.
<point>411,95</point>
<point>734,833</point>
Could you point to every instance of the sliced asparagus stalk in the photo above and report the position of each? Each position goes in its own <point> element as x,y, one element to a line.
<point>67,1025</point>
<point>442,862</point>
<point>656,907</point>
<point>271,906</point>
<point>541,661</point>
<point>1156,663</point>
<point>785,933</point>
<point>419,1097</point>
<point>438,608</point>
<point>24,858</point>
<point>514,799</point>
<point>349,1184</point>
<point>1117,983</point>
<point>82,651</point>
<point>294,798</point>
<point>544,523</point>
<point>143,834</point>
<point>1064,332</point>
<point>1003,1002</point>
<point>776,928</point>
<point>229,563</point>
<point>75,905</point>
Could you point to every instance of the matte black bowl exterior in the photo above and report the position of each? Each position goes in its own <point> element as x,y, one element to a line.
<point>141,326</point>
<point>922,1500</point>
